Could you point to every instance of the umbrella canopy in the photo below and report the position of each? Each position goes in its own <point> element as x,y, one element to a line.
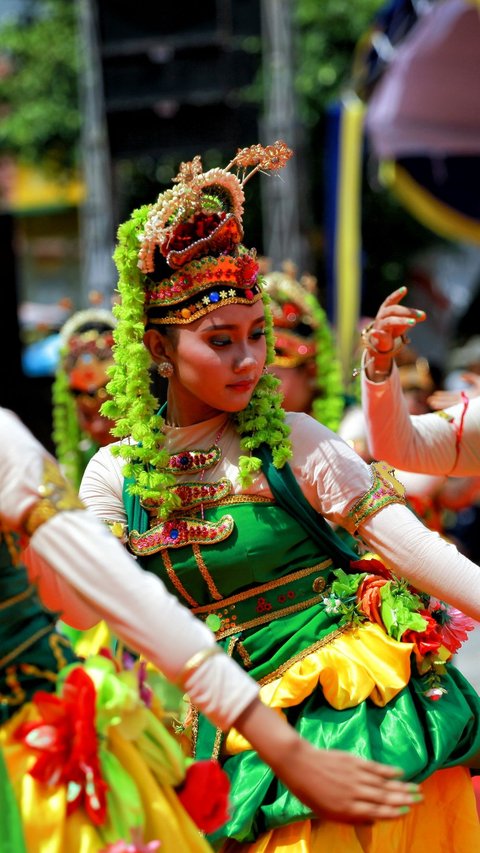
<point>423,116</point>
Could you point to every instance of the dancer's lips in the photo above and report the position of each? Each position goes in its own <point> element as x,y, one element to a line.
<point>242,385</point>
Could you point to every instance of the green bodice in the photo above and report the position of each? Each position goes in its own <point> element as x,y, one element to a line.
<point>261,590</point>
<point>31,652</point>
<point>265,544</point>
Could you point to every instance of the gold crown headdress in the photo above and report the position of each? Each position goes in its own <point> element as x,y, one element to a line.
<point>87,341</point>
<point>190,248</point>
<point>294,318</point>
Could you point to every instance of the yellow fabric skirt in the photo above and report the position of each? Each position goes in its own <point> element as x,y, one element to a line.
<point>445,822</point>
<point>375,669</point>
<point>43,808</point>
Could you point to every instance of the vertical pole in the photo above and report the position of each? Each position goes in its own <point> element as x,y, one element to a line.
<point>281,212</point>
<point>96,213</point>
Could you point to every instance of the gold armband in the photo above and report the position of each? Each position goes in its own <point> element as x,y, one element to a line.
<point>386,489</point>
<point>196,661</point>
<point>56,495</point>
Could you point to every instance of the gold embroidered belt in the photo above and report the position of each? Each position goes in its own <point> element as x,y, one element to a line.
<point>259,605</point>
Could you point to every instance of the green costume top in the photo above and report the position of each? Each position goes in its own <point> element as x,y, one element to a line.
<point>32,652</point>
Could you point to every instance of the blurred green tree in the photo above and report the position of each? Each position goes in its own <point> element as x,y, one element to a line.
<point>39,67</point>
<point>41,119</point>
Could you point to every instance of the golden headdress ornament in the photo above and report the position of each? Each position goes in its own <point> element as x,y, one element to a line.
<point>190,247</point>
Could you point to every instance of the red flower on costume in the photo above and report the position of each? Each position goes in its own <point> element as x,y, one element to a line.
<point>66,739</point>
<point>452,624</point>
<point>369,599</point>
<point>428,640</point>
<point>372,567</point>
<point>204,795</point>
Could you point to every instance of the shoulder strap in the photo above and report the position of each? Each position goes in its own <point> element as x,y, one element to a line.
<point>137,516</point>
<point>289,495</point>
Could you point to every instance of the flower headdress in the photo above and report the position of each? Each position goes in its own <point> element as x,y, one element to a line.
<point>302,334</point>
<point>85,355</point>
<point>178,260</point>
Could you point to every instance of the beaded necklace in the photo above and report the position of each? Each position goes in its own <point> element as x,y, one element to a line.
<point>198,460</point>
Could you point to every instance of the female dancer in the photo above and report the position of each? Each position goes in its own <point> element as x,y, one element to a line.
<point>351,655</point>
<point>85,765</point>
<point>445,443</point>
<point>79,390</point>
<point>305,360</point>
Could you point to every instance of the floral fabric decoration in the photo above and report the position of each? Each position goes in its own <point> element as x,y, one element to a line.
<point>435,629</point>
<point>204,795</point>
<point>66,742</point>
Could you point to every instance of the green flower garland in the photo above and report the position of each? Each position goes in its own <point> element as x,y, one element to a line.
<point>134,408</point>
<point>66,433</point>
<point>328,406</point>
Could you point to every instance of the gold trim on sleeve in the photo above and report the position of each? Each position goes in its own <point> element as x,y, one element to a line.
<point>385,489</point>
<point>56,495</point>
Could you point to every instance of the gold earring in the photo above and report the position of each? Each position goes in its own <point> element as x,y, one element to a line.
<point>165,369</point>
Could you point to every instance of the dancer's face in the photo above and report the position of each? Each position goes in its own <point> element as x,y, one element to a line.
<point>88,379</point>
<point>217,362</point>
<point>297,384</point>
<point>90,419</point>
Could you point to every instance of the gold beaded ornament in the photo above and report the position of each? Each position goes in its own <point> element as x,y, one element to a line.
<point>190,249</point>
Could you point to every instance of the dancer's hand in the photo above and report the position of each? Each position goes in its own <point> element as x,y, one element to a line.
<point>334,784</point>
<point>385,336</point>
<point>442,398</point>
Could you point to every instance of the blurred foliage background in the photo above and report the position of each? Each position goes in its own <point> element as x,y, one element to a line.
<point>41,120</point>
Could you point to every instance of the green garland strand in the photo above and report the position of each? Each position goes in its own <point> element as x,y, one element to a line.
<point>329,404</point>
<point>67,435</point>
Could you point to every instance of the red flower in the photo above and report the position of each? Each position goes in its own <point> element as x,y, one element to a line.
<point>204,795</point>
<point>428,640</point>
<point>66,739</point>
<point>372,567</point>
<point>368,597</point>
<point>452,624</point>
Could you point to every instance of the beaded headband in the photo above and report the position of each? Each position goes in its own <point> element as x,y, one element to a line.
<point>203,285</point>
